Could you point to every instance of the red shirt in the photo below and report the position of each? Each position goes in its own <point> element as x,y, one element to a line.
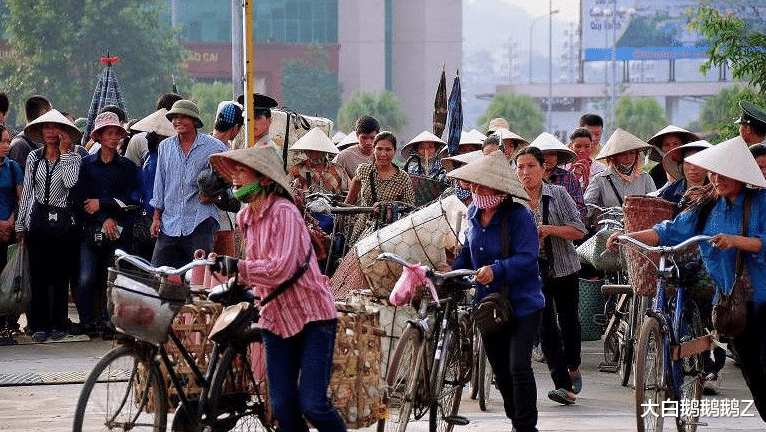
<point>277,242</point>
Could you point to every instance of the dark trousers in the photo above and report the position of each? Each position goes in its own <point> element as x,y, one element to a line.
<point>560,331</point>
<point>751,349</point>
<point>49,271</point>
<point>91,289</point>
<point>179,251</point>
<point>298,370</point>
<point>509,351</point>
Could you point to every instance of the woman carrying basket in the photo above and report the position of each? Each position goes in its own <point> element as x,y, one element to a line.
<point>299,324</point>
<point>720,212</point>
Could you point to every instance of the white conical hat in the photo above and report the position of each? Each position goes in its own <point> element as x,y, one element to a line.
<point>348,141</point>
<point>548,142</point>
<point>34,130</point>
<point>477,135</point>
<point>316,140</point>
<point>621,141</point>
<point>656,153</point>
<point>452,162</point>
<point>492,171</point>
<point>732,159</point>
<point>264,160</point>
<point>471,138</point>
<point>505,134</point>
<point>424,136</point>
<point>155,122</point>
<point>338,137</point>
<point>674,168</point>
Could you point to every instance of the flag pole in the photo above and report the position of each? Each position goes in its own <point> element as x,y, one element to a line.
<point>249,72</point>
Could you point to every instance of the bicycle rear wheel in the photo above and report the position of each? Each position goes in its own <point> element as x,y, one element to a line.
<point>475,358</point>
<point>234,402</point>
<point>402,381</point>
<point>124,391</point>
<point>651,375</point>
<point>485,376</point>
<point>626,351</point>
<point>447,385</point>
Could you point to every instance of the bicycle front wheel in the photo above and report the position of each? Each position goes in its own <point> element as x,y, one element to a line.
<point>447,385</point>
<point>234,401</point>
<point>123,392</point>
<point>485,376</point>
<point>651,374</point>
<point>402,381</point>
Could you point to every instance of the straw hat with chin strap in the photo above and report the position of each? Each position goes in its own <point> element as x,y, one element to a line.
<point>34,130</point>
<point>492,171</point>
<point>348,141</point>
<point>315,140</point>
<point>621,141</point>
<point>732,159</point>
<point>156,122</point>
<point>425,136</point>
<point>675,168</point>
<point>264,160</point>
<point>656,153</point>
<point>548,142</point>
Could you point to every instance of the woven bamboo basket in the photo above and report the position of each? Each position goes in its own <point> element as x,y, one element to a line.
<point>643,212</point>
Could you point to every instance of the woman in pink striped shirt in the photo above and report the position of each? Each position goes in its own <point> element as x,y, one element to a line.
<point>299,324</point>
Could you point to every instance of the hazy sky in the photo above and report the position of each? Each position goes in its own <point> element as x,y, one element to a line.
<point>569,9</point>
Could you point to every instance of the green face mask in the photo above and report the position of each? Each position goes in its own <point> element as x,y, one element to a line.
<point>244,192</point>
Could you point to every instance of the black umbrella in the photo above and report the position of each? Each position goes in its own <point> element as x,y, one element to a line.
<point>440,106</point>
<point>455,116</point>
<point>107,93</point>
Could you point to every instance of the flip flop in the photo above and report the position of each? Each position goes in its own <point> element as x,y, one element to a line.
<point>560,395</point>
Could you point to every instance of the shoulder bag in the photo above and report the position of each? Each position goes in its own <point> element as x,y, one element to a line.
<point>495,310</point>
<point>47,219</point>
<point>731,311</point>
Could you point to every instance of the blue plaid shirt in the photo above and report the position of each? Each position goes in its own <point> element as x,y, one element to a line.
<point>175,185</point>
<point>562,177</point>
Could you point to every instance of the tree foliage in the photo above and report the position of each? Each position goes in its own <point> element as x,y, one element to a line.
<point>309,87</point>
<point>207,97</point>
<point>386,108</point>
<point>56,45</point>
<point>718,111</point>
<point>734,42</point>
<point>641,116</point>
<point>521,112</point>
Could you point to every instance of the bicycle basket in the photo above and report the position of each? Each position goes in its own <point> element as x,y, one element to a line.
<point>642,212</point>
<point>143,306</point>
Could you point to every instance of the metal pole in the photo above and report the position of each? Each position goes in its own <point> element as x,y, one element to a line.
<point>614,67</point>
<point>249,72</point>
<point>550,61</point>
<point>237,68</point>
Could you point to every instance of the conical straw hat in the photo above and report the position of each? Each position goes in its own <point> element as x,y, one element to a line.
<point>656,141</point>
<point>425,136</point>
<point>338,137</point>
<point>34,130</point>
<point>621,141</point>
<point>155,122</point>
<point>496,124</point>
<point>348,141</point>
<point>505,134</point>
<point>452,162</point>
<point>264,160</point>
<point>674,168</point>
<point>471,138</point>
<point>315,140</point>
<point>477,135</point>
<point>548,142</point>
<point>732,159</point>
<point>492,171</point>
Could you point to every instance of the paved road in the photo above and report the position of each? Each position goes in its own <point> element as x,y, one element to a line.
<point>603,405</point>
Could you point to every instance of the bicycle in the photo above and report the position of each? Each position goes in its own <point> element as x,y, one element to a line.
<point>670,344</point>
<point>126,389</point>
<point>482,377</point>
<point>431,361</point>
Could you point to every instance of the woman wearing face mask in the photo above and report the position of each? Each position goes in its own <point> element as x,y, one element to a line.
<point>496,205</point>
<point>316,173</point>
<point>623,176</point>
<point>299,324</point>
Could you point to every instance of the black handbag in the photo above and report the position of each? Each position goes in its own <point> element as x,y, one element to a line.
<point>495,310</point>
<point>47,219</point>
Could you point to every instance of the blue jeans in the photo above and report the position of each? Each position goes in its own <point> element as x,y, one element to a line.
<point>91,288</point>
<point>509,351</point>
<point>298,370</point>
<point>179,251</point>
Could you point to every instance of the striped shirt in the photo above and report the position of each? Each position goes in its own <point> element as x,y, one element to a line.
<point>277,242</point>
<point>64,172</point>
<point>562,211</point>
<point>175,184</point>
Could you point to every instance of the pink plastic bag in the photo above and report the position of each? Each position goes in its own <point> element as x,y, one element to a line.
<point>412,277</point>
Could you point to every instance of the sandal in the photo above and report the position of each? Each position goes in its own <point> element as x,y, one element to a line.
<point>576,383</point>
<point>561,396</point>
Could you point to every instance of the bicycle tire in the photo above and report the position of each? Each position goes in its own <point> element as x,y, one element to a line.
<point>691,387</point>
<point>402,381</point>
<point>485,377</point>
<point>447,386</point>
<point>109,399</point>
<point>651,374</point>
<point>232,407</point>
<point>626,353</point>
<point>475,361</point>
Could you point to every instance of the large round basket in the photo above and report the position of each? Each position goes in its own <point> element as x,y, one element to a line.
<point>643,212</point>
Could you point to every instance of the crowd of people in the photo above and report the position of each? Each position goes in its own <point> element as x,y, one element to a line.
<point>163,188</point>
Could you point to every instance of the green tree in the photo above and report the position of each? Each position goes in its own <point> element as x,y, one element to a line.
<point>56,45</point>
<point>734,42</point>
<point>641,116</point>
<point>386,108</point>
<point>520,111</point>
<point>718,111</point>
<point>207,97</point>
<point>309,87</point>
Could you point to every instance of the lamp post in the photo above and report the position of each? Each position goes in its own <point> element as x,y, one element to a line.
<point>550,63</point>
<point>555,11</point>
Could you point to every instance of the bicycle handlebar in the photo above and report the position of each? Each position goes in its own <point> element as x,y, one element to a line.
<point>142,264</point>
<point>388,256</point>
<point>663,249</point>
